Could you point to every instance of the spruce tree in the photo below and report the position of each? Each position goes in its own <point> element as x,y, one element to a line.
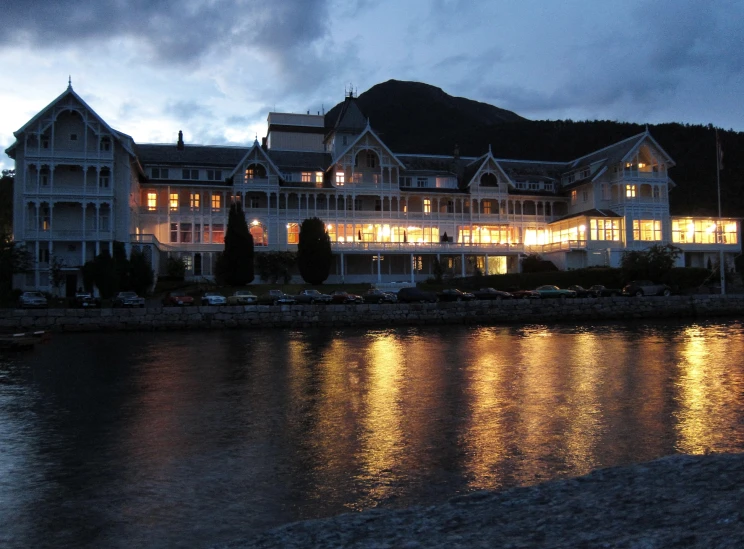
<point>314,251</point>
<point>235,264</point>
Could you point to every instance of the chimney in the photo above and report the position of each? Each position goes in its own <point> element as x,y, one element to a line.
<point>179,145</point>
<point>456,154</point>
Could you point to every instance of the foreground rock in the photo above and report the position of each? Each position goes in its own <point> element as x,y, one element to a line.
<point>678,501</point>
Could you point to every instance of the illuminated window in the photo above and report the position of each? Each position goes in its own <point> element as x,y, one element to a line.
<point>218,233</point>
<point>704,231</point>
<point>486,206</point>
<point>573,197</point>
<point>152,201</point>
<point>173,201</point>
<point>340,178</point>
<point>427,205</point>
<point>293,233</point>
<point>646,229</point>
<point>259,234</point>
<point>216,202</point>
<point>630,191</point>
<point>194,200</point>
<point>250,173</point>
<point>319,177</point>
<point>306,177</point>
<point>604,229</point>
<point>188,262</point>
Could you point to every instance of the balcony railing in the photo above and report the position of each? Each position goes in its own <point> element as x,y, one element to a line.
<point>58,155</point>
<point>414,247</point>
<point>67,234</point>
<point>561,246</point>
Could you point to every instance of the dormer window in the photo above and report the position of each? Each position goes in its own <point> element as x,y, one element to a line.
<point>190,174</point>
<point>105,144</point>
<point>160,173</point>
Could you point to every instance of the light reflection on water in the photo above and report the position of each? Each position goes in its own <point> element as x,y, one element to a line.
<point>184,439</point>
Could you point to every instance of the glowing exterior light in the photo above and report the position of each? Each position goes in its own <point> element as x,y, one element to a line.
<point>256,222</point>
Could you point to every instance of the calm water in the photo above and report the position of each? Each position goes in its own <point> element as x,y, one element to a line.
<point>190,439</point>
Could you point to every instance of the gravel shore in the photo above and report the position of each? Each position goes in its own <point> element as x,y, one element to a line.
<point>677,501</point>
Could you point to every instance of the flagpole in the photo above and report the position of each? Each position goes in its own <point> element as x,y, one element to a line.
<point>721,264</point>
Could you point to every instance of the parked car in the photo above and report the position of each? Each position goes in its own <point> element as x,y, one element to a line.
<point>32,300</point>
<point>177,298</point>
<point>278,297</point>
<point>312,296</point>
<point>525,294</point>
<point>601,291</point>
<point>414,295</point>
<point>453,294</point>
<point>213,298</point>
<point>85,300</point>
<point>548,291</point>
<point>646,287</point>
<point>242,297</point>
<point>581,291</point>
<point>128,299</point>
<point>378,296</point>
<point>340,296</point>
<point>492,294</point>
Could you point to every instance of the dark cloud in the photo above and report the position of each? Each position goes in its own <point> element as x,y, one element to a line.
<point>169,31</point>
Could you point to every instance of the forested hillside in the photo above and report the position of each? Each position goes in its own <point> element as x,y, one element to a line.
<point>417,118</point>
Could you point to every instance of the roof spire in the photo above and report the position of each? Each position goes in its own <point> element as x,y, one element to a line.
<point>489,150</point>
<point>69,82</point>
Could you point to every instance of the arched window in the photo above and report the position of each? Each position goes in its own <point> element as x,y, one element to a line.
<point>489,180</point>
<point>259,234</point>
<point>255,171</point>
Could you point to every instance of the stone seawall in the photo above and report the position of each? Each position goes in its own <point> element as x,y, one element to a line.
<point>296,316</point>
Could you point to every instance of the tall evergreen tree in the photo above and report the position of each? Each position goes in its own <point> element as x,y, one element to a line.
<point>140,272</point>
<point>235,263</point>
<point>314,251</point>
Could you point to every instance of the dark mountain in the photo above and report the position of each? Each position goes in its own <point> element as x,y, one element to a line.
<point>412,117</point>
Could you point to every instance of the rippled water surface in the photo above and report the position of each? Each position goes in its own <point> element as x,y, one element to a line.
<point>191,439</point>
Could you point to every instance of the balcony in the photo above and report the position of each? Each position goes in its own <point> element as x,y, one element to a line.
<point>426,247</point>
<point>566,245</point>
<point>67,235</point>
<point>68,190</point>
<point>59,156</point>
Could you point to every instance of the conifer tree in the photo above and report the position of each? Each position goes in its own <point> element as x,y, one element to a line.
<point>235,264</point>
<point>314,251</point>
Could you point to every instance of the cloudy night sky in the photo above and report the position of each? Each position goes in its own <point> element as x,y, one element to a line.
<point>215,68</point>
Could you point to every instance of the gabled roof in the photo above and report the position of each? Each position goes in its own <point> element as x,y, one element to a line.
<point>195,155</point>
<point>618,152</point>
<point>368,131</point>
<point>126,143</point>
<point>262,152</point>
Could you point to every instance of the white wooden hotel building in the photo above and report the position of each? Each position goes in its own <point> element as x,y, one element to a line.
<point>80,185</point>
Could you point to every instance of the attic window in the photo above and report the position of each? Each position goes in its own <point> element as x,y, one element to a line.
<point>44,142</point>
<point>160,173</point>
<point>105,144</point>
